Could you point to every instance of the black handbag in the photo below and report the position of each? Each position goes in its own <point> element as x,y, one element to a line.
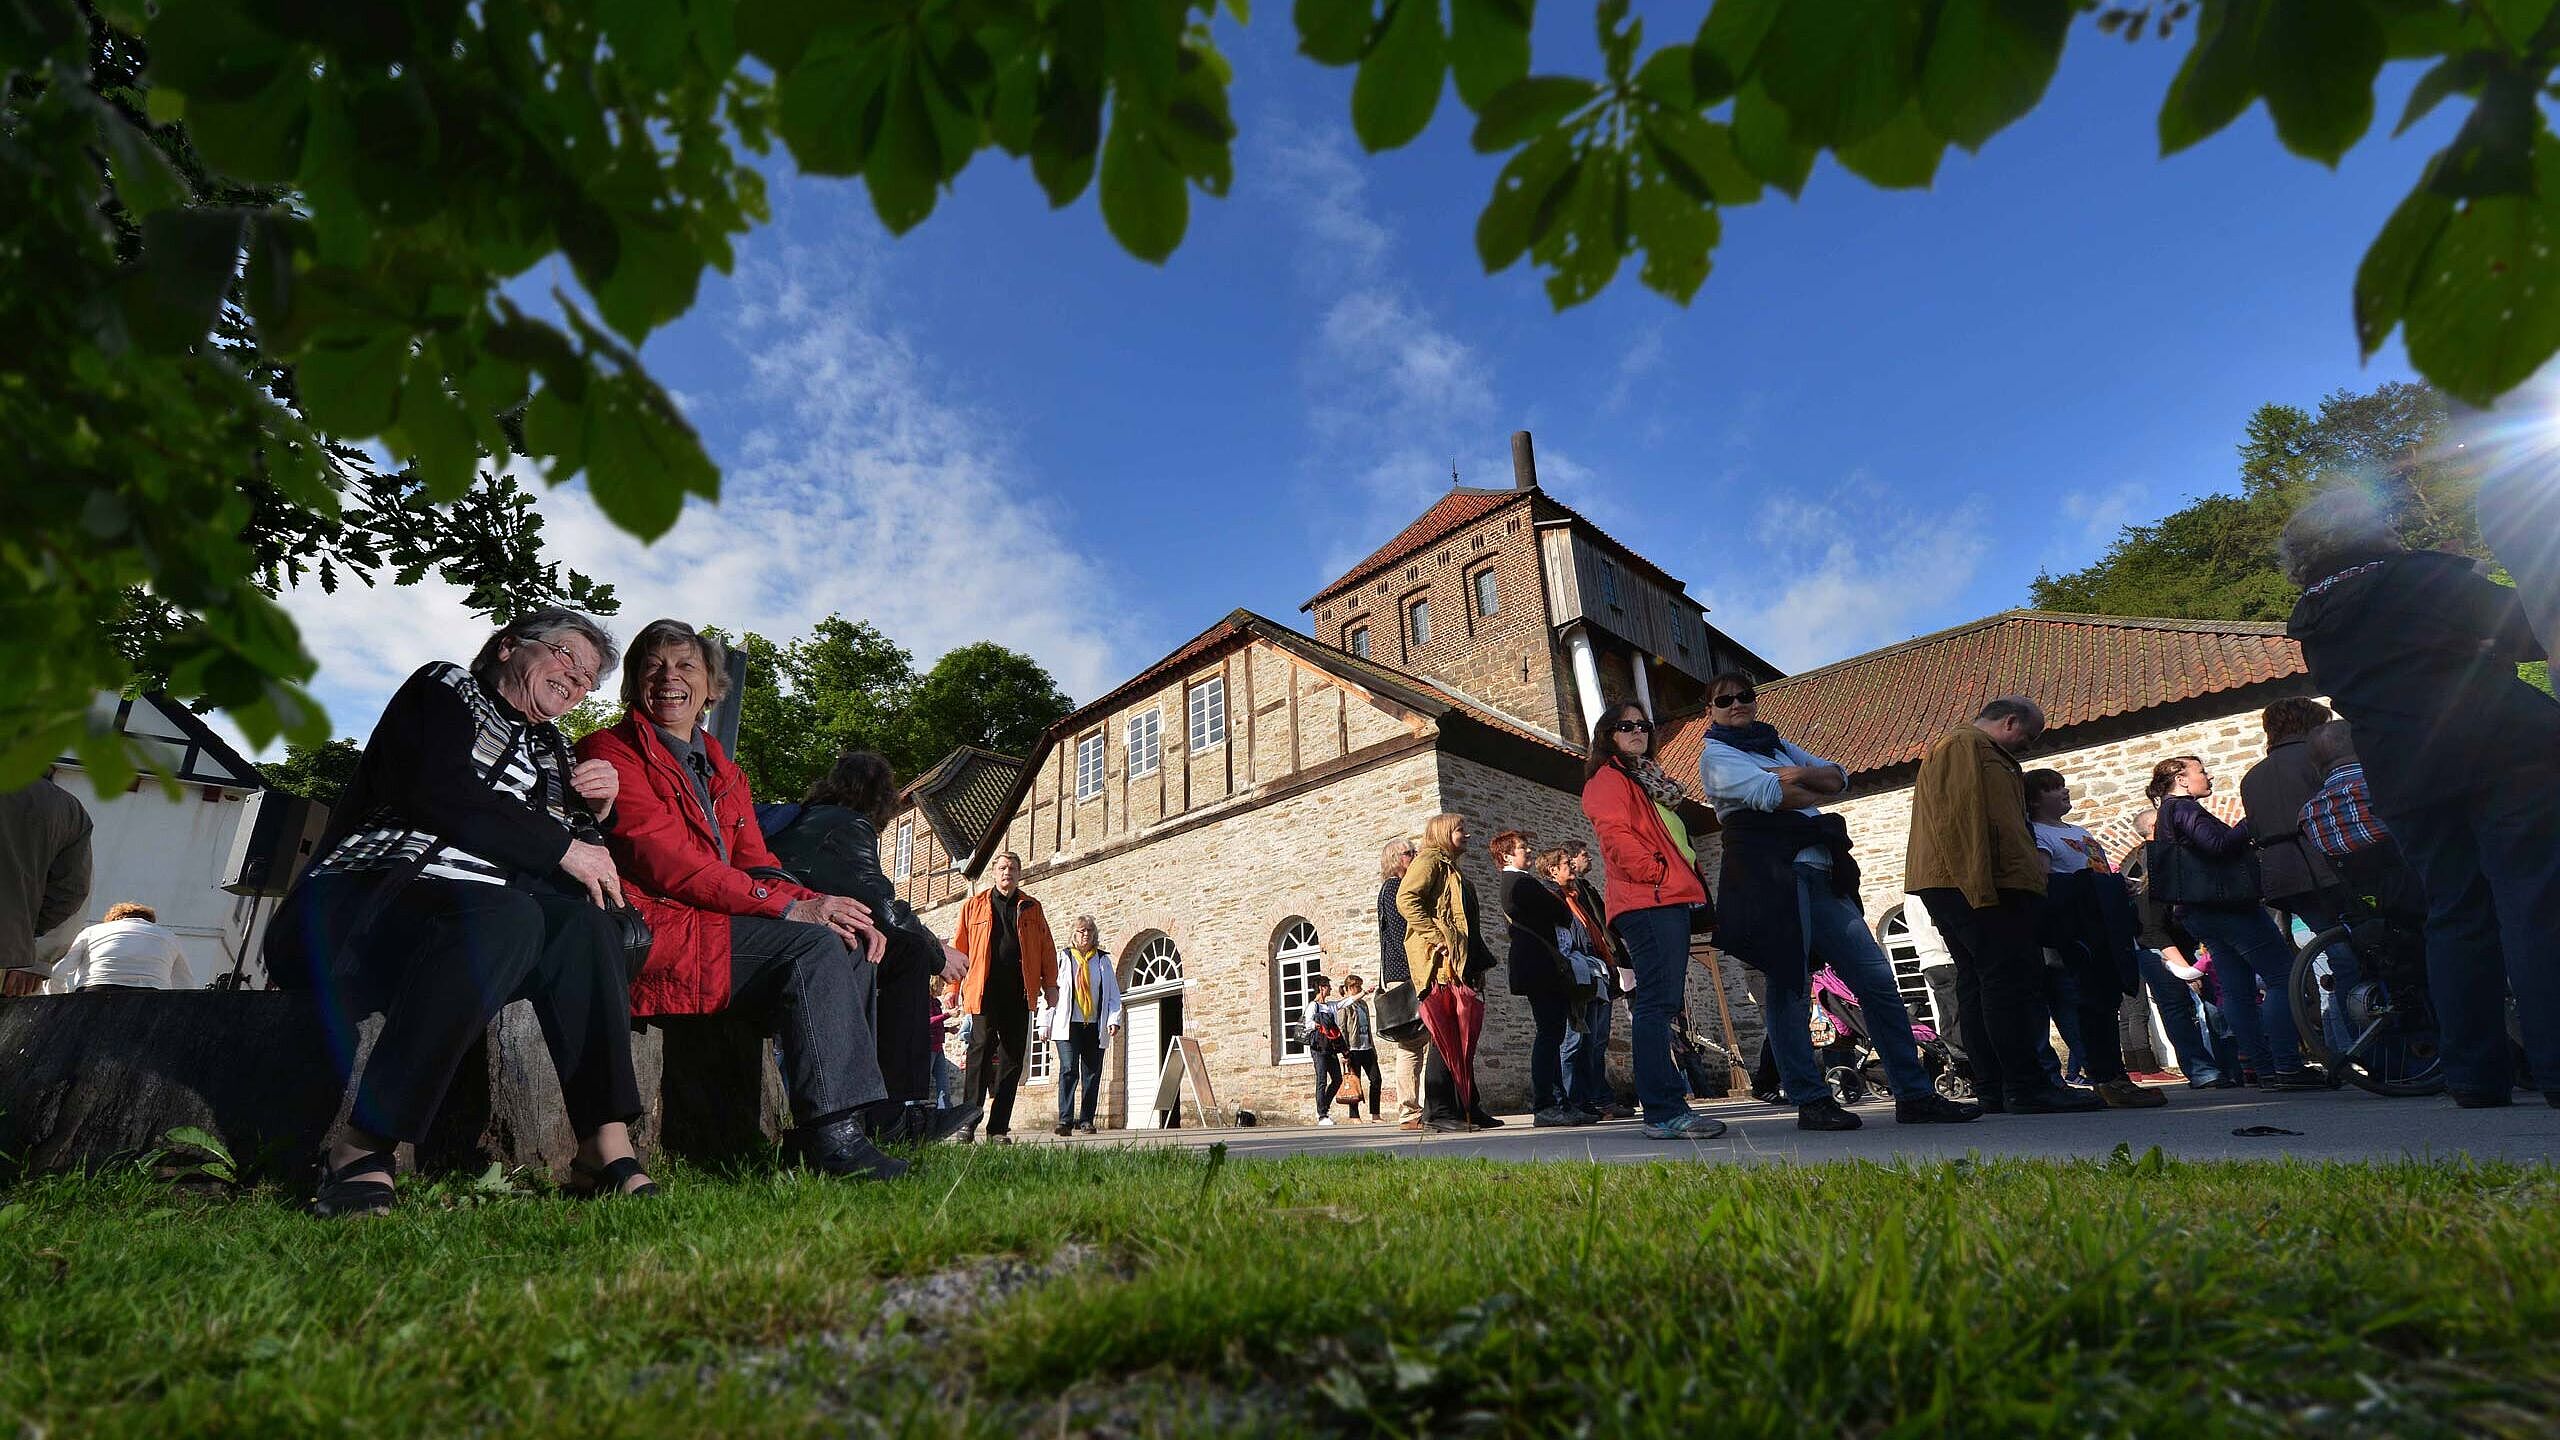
<point>2182,875</point>
<point>1396,1011</point>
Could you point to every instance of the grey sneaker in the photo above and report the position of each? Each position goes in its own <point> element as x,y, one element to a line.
<point>1687,1125</point>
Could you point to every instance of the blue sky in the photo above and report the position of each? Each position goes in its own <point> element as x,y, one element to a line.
<point>1882,415</point>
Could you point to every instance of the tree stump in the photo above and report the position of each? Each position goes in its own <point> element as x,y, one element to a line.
<point>103,1076</point>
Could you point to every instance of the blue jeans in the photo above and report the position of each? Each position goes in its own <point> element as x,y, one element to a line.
<point>2182,1012</point>
<point>1836,933</point>
<point>2248,949</point>
<point>1658,946</point>
<point>1586,1059</point>
<point>1079,1072</point>
<point>2491,865</point>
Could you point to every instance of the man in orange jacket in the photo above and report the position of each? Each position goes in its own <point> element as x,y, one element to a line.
<point>1013,969</point>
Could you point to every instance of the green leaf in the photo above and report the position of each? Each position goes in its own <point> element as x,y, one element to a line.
<point>1761,139</point>
<point>1143,199</point>
<point>257,138</point>
<point>2452,76</point>
<point>905,169</point>
<point>641,463</point>
<point>1063,143</point>
<point>2390,267</point>
<point>1332,32</point>
<point>1901,156</point>
<point>188,259</point>
<point>1589,239</point>
<point>831,103</point>
<point>2484,312</point>
<point>2493,152</point>
<point>435,431</point>
<point>1728,45</point>
<point>2317,60</point>
<point>351,388</point>
<point>555,428</point>
<point>2219,77</point>
<point>649,36</point>
<point>1488,46</point>
<point>2518,22</point>
<point>146,183</point>
<point>780,32</point>
<point>1668,78</point>
<point>1989,63</point>
<point>655,272</point>
<point>1526,108</point>
<point>1677,235</point>
<point>1524,201</point>
<point>208,50</point>
<point>1698,156</point>
<point>1843,69</point>
<point>1399,81</point>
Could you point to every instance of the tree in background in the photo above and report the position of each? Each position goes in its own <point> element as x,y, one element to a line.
<point>378,179</point>
<point>983,695</point>
<point>2215,559</point>
<point>319,773</point>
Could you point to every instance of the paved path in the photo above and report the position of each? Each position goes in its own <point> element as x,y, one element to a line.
<point>2195,1125</point>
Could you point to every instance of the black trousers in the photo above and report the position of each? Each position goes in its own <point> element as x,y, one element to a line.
<point>439,961</point>
<point>1364,1064</point>
<point>902,1019</point>
<point>996,1041</point>
<point>2099,1051</point>
<point>814,995</point>
<point>1999,973</point>
<point>1547,1014</point>
<point>1439,1090</point>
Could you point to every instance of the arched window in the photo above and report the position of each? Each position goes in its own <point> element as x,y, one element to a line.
<point>1156,966</point>
<point>1895,933</point>
<point>1295,962</point>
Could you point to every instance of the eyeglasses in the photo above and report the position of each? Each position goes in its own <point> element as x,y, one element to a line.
<point>583,679</point>
<point>1633,727</point>
<point>1738,697</point>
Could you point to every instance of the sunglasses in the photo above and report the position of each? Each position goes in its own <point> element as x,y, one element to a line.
<point>1738,697</point>
<point>1633,727</point>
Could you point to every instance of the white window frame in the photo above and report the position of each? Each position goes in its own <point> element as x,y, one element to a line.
<point>1417,620</point>
<point>1893,933</point>
<point>905,854</point>
<point>1359,644</point>
<point>1487,590</point>
<point>1295,961</point>
<point>1205,706</point>
<point>1089,767</point>
<point>1040,1067</point>
<point>1145,743</point>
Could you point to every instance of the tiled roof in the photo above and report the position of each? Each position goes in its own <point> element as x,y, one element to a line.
<point>1879,710</point>
<point>1463,505</point>
<point>963,797</point>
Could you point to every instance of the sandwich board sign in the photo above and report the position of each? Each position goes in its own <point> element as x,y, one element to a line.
<point>1184,1064</point>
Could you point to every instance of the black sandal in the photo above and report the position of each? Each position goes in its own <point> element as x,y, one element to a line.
<point>606,1182</point>
<point>343,1193</point>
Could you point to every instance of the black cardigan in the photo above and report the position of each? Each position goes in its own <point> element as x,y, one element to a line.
<point>835,850</point>
<point>1536,913</point>
<point>1756,916</point>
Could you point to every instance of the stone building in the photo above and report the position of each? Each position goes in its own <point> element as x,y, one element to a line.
<point>2119,695</point>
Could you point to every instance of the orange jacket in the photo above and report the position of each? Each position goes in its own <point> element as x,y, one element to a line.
<point>977,940</point>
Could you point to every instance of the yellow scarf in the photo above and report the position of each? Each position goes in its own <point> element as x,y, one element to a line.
<point>1084,983</point>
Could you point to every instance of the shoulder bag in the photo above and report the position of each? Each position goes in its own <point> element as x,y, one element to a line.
<point>2182,875</point>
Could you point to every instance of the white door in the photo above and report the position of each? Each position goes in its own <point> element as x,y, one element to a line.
<point>1140,1036</point>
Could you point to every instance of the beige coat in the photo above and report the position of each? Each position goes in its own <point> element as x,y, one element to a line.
<point>1435,911</point>
<point>1969,829</point>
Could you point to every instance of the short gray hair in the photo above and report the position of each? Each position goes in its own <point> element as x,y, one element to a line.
<point>2012,707</point>
<point>658,634</point>
<point>2341,526</point>
<point>547,624</point>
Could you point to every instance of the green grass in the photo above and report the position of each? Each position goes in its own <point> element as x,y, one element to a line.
<point>1317,1295</point>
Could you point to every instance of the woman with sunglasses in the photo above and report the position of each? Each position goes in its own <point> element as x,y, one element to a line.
<point>1791,902</point>
<point>1653,885</point>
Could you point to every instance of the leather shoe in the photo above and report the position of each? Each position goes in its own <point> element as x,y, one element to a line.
<point>2055,1100</point>
<point>2483,1100</point>
<point>2125,1095</point>
<point>1933,1110</point>
<point>1410,1125</point>
<point>840,1148</point>
<point>1447,1127</point>
<point>1825,1114</point>
<point>1483,1120</point>
<point>931,1126</point>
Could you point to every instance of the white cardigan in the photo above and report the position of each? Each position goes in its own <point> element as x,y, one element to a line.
<point>1106,995</point>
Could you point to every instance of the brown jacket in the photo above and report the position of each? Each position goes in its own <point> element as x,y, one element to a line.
<point>977,940</point>
<point>1433,900</point>
<point>1969,827</point>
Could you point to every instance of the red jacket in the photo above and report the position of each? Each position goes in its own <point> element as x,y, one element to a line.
<point>672,869</point>
<point>1645,868</point>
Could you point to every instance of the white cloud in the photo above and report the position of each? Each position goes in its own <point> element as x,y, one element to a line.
<point>1844,574</point>
<point>2101,514</point>
<point>856,485</point>
<point>1642,357</point>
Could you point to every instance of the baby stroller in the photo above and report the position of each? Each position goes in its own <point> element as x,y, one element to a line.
<point>1850,1059</point>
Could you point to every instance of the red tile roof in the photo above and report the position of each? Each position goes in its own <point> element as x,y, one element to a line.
<point>1463,505</point>
<point>1880,710</point>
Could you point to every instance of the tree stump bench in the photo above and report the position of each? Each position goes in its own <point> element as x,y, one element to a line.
<point>102,1077</point>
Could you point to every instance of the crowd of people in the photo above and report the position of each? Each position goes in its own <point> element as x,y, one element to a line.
<point>477,857</point>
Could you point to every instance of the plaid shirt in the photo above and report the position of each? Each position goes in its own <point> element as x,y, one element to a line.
<point>2339,817</point>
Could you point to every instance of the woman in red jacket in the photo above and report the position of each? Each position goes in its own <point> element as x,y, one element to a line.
<point>731,931</point>
<point>1653,883</point>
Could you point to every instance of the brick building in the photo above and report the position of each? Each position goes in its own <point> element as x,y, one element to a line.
<point>1220,812</point>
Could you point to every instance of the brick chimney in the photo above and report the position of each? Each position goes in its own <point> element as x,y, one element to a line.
<point>1524,462</point>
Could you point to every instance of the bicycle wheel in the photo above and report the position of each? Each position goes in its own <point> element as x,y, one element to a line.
<point>2390,1045</point>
